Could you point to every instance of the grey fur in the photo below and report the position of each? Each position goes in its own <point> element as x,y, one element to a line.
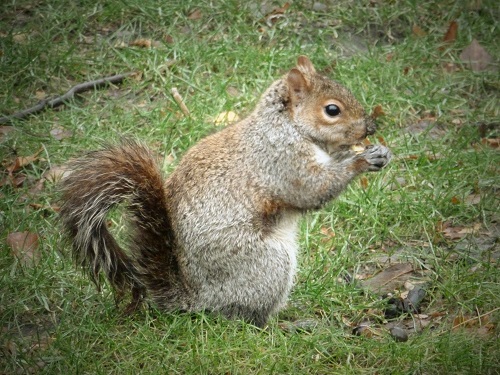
<point>220,232</point>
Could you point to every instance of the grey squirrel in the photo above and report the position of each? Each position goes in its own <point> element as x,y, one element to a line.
<point>219,233</point>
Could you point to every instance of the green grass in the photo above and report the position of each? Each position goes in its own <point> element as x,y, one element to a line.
<point>54,321</point>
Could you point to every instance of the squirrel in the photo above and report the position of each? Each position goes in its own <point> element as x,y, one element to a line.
<point>219,233</point>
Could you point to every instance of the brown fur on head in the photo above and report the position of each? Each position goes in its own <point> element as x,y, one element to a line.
<point>325,109</point>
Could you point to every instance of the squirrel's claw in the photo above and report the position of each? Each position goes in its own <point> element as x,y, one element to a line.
<point>377,156</point>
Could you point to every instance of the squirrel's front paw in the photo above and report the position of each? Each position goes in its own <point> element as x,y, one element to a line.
<point>377,157</point>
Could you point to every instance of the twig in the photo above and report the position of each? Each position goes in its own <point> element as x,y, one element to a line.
<point>60,100</point>
<point>180,102</point>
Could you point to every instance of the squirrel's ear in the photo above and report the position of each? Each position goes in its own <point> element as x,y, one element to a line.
<point>298,84</point>
<point>305,65</point>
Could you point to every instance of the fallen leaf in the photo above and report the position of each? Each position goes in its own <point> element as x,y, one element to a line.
<point>119,44</point>
<point>276,14</point>
<point>56,173</point>
<point>169,39</point>
<point>451,33</point>
<point>426,127</point>
<point>24,246</point>
<point>142,43</point>
<point>22,161</point>
<point>40,94</point>
<point>476,57</point>
<point>364,182</point>
<point>281,10</point>
<point>389,279</point>
<point>328,234</point>
<point>377,112</point>
<point>450,67</point>
<point>473,199</point>
<point>196,14</point>
<point>491,142</point>
<point>61,133</point>
<point>12,180</point>
<point>458,232</point>
<point>381,140</point>
<point>20,38</point>
<point>418,31</point>
<point>136,76</point>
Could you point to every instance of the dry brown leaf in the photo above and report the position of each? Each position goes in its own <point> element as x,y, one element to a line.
<point>136,76</point>
<point>196,14</point>
<point>476,57</point>
<point>12,180</point>
<point>450,67</point>
<point>141,43</point>
<point>451,33</point>
<point>458,232</point>
<point>381,140</point>
<point>327,232</point>
<point>276,14</point>
<point>364,182</point>
<point>169,39</point>
<point>377,112</point>
<point>418,31</point>
<point>389,279</point>
<point>491,142</point>
<point>22,161</point>
<point>24,246</point>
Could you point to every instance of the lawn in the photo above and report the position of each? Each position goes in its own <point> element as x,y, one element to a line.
<point>427,225</point>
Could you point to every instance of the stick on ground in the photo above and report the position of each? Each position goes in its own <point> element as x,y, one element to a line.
<point>60,100</point>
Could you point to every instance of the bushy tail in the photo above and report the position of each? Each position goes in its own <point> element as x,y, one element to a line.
<point>100,180</point>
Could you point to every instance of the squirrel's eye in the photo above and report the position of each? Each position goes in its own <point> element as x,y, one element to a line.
<point>332,110</point>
